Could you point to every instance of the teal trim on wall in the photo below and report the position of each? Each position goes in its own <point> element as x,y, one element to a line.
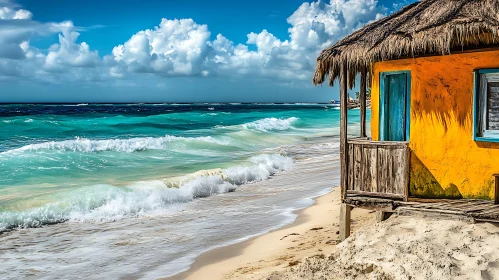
<point>487,71</point>
<point>476,89</point>
<point>476,83</point>
<point>383,131</point>
<point>485,139</point>
<point>408,107</point>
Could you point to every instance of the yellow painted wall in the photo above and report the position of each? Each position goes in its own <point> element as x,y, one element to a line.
<point>445,161</point>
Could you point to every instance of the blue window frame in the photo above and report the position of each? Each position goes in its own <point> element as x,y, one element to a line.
<point>403,115</point>
<point>486,105</point>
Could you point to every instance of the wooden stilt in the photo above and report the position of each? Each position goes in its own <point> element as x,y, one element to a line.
<point>345,218</point>
<point>382,215</point>
<point>362,100</point>
<point>343,130</point>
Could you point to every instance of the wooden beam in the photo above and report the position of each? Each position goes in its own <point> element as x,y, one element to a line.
<point>487,221</point>
<point>343,130</point>
<point>376,194</point>
<point>366,142</point>
<point>345,219</point>
<point>362,100</point>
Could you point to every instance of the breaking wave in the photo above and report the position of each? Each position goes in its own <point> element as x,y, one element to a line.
<point>106,203</point>
<point>271,124</point>
<point>130,145</point>
<point>121,145</point>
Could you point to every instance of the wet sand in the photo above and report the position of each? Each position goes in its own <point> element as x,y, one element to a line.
<point>315,231</point>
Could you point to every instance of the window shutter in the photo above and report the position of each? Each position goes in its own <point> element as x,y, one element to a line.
<point>492,119</point>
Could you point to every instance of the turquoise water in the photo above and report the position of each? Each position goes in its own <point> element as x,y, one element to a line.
<point>139,191</point>
<point>108,162</point>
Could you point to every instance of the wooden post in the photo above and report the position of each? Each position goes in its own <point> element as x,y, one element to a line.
<point>382,215</point>
<point>343,130</point>
<point>362,97</point>
<point>345,218</point>
<point>496,191</point>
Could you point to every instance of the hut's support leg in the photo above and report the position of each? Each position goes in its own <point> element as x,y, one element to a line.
<point>382,215</point>
<point>345,218</point>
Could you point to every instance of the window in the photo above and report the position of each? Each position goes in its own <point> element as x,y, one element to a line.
<point>487,105</point>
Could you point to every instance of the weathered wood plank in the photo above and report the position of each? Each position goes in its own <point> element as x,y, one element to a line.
<point>383,169</point>
<point>362,167</point>
<point>357,166</point>
<point>487,221</point>
<point>371,203</point>
<point>377,168</point>
<point>351,162</point>
<point>480,208</point>
<point>374,169</point>
<point>491,210</point>
<point>407,175</point>
<point>390,172</point>
<point>377,189</point>
<point>375,194</point>
<point>406,211</point>
<point>364,141</point>
<point>398,170</point>
<point>369,169</point>
<point>476,208</point>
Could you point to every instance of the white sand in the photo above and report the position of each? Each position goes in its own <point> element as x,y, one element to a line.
<point>403,247</point>
<point>408,248</point>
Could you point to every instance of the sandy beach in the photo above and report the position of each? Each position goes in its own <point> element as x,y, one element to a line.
<point>314,232</point>
<point>402,247</point>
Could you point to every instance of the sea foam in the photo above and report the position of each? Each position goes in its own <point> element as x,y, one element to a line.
<point>105,203</point>
<point>271,124</point>
<point>120,145</point>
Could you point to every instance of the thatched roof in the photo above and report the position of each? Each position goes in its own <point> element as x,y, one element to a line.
<point>423,28</point>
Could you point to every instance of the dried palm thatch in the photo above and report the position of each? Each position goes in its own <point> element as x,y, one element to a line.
<point>429,27</point>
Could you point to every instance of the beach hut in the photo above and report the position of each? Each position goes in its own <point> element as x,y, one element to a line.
<point>433,70</point>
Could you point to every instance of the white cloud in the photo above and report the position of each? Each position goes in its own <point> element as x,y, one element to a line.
<point>7,13</point>
<point>69,53</point>
<point>175,47</point>
<point>183,47</point>
<point>64,61</point>
<point>179,47</point>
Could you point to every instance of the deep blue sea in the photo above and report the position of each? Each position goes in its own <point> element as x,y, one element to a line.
<point>88,167</point>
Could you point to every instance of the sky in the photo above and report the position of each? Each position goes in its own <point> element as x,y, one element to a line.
<point>173,50</point>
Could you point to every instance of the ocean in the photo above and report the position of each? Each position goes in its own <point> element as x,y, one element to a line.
<point>140,190</point>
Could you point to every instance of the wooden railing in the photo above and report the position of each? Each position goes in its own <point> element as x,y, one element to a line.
<point>377,168</point>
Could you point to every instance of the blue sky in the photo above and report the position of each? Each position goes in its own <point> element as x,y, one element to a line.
<point>172,51</point>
